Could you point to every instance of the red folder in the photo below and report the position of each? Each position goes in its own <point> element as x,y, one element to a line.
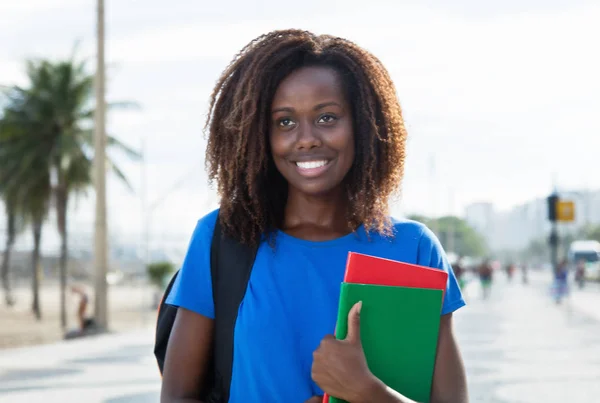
<point>365,269</point>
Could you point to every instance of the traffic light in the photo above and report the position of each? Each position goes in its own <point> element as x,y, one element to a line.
<point>552,207</point>
<point>560,210</point>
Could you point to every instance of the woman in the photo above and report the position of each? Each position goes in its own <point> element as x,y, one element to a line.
<point>306,143</point>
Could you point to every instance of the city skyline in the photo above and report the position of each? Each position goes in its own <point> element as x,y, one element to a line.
<point>499,100</point>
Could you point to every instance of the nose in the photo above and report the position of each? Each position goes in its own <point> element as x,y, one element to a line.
<point>308,137</point>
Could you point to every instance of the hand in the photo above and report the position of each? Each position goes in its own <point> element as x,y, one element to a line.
<point>315,399</point>
<point>340,367</point>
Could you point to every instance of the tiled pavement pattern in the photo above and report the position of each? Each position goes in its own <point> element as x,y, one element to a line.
<point>518,347</point>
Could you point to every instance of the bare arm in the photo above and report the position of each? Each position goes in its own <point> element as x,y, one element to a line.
<point>449,379</point>
<point>186,361</point>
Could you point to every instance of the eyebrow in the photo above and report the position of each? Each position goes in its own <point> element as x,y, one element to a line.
<point>316,108</point>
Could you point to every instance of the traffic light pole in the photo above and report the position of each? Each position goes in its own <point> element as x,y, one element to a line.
<point>554,242</point>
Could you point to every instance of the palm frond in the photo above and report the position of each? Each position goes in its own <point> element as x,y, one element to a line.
<point>119,174</point>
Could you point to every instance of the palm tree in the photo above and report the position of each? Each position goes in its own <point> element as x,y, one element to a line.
<point>24,175</point>
<point>70,89</point>
<point>62,94</point>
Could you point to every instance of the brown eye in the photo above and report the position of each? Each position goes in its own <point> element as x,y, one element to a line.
<point>327,119</point>
<point>286,122</point>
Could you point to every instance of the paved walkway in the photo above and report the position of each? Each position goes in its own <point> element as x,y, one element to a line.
<point>519,347</point>
<point>107,369</point>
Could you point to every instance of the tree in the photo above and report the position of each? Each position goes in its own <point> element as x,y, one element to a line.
<point>540,250</point>
<point>24,175</point>
<point>60,100</point>
<point>454,233</point>
<point>591,232</point>
<point>158,272</point>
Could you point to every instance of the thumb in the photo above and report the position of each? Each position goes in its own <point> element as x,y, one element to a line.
<point>353,335</point>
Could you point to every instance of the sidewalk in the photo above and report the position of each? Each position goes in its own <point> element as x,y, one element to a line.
<point>520,347</point>
<point>106,369</point>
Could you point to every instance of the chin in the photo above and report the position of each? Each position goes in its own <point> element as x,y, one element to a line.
<point>317,189</point>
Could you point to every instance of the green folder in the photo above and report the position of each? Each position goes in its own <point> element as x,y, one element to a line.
<point>399,329</point>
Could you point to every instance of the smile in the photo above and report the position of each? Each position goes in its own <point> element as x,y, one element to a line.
<point>311,164</point>
<point>312,169</point>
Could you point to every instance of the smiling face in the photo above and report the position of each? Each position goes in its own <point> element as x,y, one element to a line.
<point>311,135</point>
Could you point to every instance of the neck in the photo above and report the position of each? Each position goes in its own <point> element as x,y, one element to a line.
<point>327,211</point>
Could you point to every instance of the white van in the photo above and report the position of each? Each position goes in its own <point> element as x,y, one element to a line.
<point>589,251</point>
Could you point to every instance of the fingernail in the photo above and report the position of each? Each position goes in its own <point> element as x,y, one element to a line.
<point>359,307</point>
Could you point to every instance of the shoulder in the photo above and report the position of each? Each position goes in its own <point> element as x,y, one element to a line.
<point>209,220</point>
<point>405,228</point>
<point>202,234</point>
<point>205,226</point>
<point>429,248</point>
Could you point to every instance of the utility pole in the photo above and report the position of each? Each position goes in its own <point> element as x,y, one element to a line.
<point>451,246</point>
<point>100,234</point>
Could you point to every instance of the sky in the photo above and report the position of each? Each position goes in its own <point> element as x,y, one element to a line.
<point>500,99</point>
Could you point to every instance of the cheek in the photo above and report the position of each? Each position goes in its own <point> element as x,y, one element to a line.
<point>278,146</point>
<point>347,144</point>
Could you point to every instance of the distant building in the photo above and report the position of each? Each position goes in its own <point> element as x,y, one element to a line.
<point>517,227</point>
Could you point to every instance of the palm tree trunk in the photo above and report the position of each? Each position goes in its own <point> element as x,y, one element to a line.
<point>5,278</point>
<point>37,236</point>
<point>10,240</point>
<point>5,271</point>
<point>61,212</point>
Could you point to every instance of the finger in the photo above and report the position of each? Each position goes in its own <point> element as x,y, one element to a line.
<point>315,399</point>
<point>353,335</point>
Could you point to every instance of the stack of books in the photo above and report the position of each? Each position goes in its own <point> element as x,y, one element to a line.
<point>399,320</point>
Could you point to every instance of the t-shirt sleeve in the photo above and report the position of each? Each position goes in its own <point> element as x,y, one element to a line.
<point>431,254</point>
<point>192,289</point>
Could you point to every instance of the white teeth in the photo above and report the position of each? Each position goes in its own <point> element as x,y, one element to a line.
<point>311,164</point>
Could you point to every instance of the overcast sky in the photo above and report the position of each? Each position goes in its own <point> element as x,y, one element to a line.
<point>498,99</point>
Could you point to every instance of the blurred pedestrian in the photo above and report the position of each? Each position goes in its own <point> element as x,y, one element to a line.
<point>82,305</point>
<point>561,285</point>
<point>510,271</point>
<point>459,271</point>
<point>580,273</point>
<point>486,277</point>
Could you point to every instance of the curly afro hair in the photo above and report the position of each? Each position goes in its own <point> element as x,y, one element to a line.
<point>253,193</point>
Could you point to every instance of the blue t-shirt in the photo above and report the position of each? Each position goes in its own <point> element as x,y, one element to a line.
<point>291,301</point>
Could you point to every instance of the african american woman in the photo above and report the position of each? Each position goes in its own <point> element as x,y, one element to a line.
<point>306,142</point>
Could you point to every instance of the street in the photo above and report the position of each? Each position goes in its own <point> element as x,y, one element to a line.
<point>519,346</point>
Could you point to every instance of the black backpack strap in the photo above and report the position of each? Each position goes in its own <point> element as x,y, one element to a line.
<point>164,324</point>
<point>231,263</point>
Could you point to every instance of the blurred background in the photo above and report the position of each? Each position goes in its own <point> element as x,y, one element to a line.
<point>500,101</point>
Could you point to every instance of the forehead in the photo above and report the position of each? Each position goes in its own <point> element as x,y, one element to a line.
<point>310,84</point>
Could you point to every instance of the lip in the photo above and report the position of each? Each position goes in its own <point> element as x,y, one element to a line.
<point>312,172</point>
